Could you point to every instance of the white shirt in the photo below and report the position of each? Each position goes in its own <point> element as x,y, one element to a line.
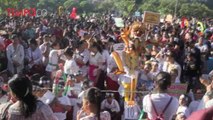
<point>160,100</point>
<point>70,67</point>
<point>35,56</point>
<point>64,101</point>
<point>114,106</point>
<point>15,55</point>
<point>84,56</point>
<point>168,67</point>
<point>184,110</point>
<point>43,47</point>
<point>203,48</point>
<point>53,60</point>
<point>96,60</point>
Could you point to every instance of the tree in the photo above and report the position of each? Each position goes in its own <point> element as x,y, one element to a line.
<point>195,9</point>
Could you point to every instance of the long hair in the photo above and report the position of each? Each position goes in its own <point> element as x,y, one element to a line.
<point>21,86</point>
<point>93,95</point>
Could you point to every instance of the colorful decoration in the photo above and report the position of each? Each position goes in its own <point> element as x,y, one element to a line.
<point>201,26</point>
<point>184,22</point>
<point>127,66</point>
<point>119,63</point>
<point>73,14</point>
<point>60,10</point>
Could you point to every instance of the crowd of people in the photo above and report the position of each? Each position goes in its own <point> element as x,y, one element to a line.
<point>57,68</point>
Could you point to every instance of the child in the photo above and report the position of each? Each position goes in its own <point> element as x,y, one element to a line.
<point>111,105</point>
<point>184,101</point>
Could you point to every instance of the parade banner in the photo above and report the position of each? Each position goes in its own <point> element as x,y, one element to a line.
<point>151,18</point>
<point>177,89</point>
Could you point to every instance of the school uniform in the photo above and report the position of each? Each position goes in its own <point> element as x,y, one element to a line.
<point>84,56</point>
<point>15,54</point>
<point>35,56</point>
<point>95,64</point>
<point>167,67</point>
<point>113,106</point>
<point>53,61</point>
<point>160,100</point>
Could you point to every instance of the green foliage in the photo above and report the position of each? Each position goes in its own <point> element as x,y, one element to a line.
<point>125,7</point>
<point>195,9</point>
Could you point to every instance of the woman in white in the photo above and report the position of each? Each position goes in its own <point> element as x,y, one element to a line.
<point>72,70</point>
<point>45,49</point>
<point>96,62</point>
<point>54,57</point>
<point>15,56</point>
<point>170,64</point>
<point>92,106</point>
<point>159,99</point>
<point>82,57</point>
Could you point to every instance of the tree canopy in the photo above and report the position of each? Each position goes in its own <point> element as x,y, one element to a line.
<point>125,7</point>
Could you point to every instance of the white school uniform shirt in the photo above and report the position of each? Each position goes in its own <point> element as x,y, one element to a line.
<point>43,47</point>
<point>84,56</point>
<point>114,106</point>
<point>160,100</point>
<point>175,65</point>
<point>97,60</point>
<point>53,60</point>
<point>35,55</point>
<point>16,55</point>
<point>71,67</point>
<point>110,65</point>
<point>184,110</point>
<point>64,100</point>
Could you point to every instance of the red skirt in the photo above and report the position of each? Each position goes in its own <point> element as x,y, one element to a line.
<point>90,72</point>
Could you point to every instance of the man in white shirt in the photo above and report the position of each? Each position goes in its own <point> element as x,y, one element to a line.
<point>34,54</point>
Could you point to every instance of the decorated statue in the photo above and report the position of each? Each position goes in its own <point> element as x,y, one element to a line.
<point>128,60</point>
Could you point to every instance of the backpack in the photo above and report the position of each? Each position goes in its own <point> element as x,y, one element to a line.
<point>160,116</point>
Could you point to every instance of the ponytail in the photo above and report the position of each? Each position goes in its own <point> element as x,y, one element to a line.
<point>93,95</point>
<point>21,86</point>
<point>28,105</point>
<point>98,101</point>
